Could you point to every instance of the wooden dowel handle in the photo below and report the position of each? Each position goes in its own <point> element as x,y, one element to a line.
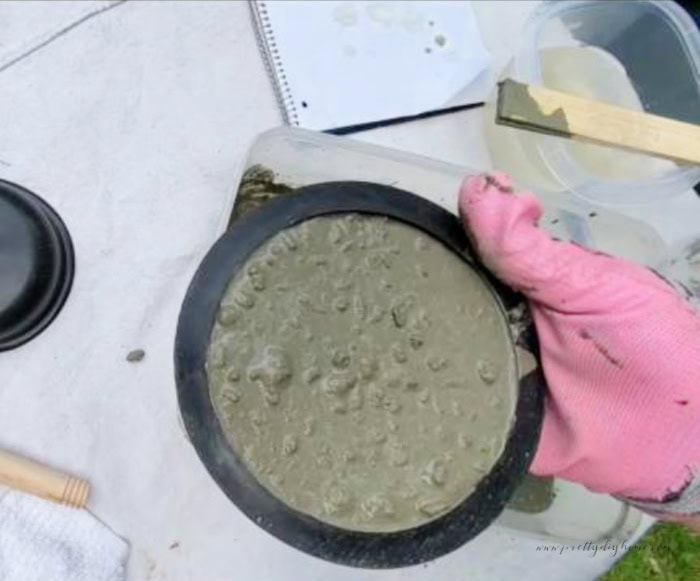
<point>29,476</point>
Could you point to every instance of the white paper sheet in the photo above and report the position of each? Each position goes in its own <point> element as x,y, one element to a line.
<point>348,63</point>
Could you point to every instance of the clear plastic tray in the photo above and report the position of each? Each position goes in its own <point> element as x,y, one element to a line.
<point>295,157</point>
<point>298,157</point>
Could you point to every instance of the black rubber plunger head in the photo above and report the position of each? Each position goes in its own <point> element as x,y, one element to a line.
<point>36,265</point>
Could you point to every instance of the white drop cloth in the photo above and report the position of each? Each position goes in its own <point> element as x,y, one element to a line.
<point>42,541</point>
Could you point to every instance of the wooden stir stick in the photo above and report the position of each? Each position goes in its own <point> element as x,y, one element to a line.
<point>546,111</point>
<point>29,476</point>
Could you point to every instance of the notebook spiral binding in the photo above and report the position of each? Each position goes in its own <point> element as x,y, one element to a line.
<point>273,62</point>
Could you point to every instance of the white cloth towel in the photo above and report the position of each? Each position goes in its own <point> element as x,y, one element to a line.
<point>42,541</point>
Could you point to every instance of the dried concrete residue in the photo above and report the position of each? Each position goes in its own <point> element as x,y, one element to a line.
<point>515,106</point>
<point>136,355</point>
<point>257,186</point>
<point>355,389</point>
<point>535,494</point>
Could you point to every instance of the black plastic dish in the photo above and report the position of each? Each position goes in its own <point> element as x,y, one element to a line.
<point>37,265</point>
<point>359,549</point>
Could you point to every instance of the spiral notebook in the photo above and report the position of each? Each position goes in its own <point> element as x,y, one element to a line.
<point>344,64</point>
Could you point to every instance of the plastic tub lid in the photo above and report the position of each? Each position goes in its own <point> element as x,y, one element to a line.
<point>36,265</point>
<point>639,54</point>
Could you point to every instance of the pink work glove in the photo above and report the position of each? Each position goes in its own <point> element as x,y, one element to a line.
<point>620,351</point>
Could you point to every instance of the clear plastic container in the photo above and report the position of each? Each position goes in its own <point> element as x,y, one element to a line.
<point>643,55</point>
<point>287,157</point>
<point>296,157</point>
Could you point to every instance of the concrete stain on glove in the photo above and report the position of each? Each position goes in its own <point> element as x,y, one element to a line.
<point>620,351</point>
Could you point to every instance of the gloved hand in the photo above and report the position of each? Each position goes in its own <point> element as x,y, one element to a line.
<point>620,352</point>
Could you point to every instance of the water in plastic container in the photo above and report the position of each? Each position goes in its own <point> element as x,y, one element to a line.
<point>639,55</point>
